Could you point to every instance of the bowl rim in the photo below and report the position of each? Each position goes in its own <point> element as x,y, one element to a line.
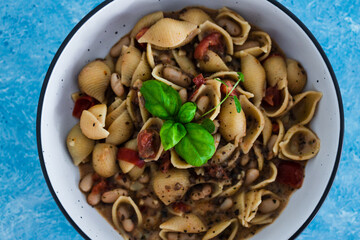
<point>103,4</point>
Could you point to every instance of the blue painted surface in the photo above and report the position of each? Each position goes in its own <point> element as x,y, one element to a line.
<point>31,32</point>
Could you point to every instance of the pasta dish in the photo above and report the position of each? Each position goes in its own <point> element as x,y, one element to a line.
<point>194,126</point>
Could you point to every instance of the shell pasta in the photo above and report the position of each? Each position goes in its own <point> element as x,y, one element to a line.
<point>194,126</point>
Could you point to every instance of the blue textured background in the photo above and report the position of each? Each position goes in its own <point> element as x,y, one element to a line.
<point>30,33</point>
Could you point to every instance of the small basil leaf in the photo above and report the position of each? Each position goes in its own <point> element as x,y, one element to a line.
<point>161,100</point>
<point>187,112</point>
<point>171,133</point>
<point>208,125</point>
<point>237,104</point>
<point>197,147</point>
<point>241,77</point>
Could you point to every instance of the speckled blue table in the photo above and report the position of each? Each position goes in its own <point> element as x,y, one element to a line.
<point>30,33</point>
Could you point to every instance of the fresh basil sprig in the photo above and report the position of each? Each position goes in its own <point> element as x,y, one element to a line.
<point>237,103</point>
<point>161,100</point>
<point>192,141</point>
<point>197,146</point>
<point>208,125</point>
<point>171,133</point>
<point>187,112</point>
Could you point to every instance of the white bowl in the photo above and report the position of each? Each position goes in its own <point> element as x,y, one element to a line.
<point>93,37</point>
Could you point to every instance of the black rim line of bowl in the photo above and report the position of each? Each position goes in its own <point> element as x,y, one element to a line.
<point>103,4</point>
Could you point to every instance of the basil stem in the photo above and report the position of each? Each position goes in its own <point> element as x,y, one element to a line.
<point>227,95</point>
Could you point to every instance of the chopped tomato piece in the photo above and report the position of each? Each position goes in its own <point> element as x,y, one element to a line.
<point>290,173</point>
<point>199,80</point>
<point>165,162</point>
<point>275,128</point>
<point>212,40</point>
<point>140,34</point>
<point>81,104</point>
<point>100,187</point>
<point>148,143</point>
<point>226,89</point>
<point>131,156</point>
<point>272,97</point>
<point>181,207</point>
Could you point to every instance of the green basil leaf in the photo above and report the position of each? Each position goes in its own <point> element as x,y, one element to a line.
<point>187,112</point>
<point>171,133</point>
<point>161,100</point>
<point>208,125</point>
<point>241,77</point>
<point>197,147</point>
<point>237,104</point>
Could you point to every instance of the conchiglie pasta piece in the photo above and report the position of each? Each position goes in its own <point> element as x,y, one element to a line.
<point>121,129</point>
<point>262,219</point>
<point>184,62</point>
<point>259,155</point>
<point>143,111</point>
<point>104,159</point>
<point>214,63</point>
<point>267,131</point>
<point>279,137</point>
<point>146,21</point>
<point>133,109</point>
<point>171,75</point>
<point>132,209</point>
<point>258,44</point>
<point>116,103</point>
<point>91,127</point>
<point>136,172</point>
<point>150,56</point>
<point>207,97</point>
<point>210,27</point>
<point>233,76</point>
<point>79,145</point>
<point>177,162</point>
<point>94,79</point>
<point>189,223</point>
<point>223,153</point>
<point>169,33</point>
<point>108,60</point>
<point>300,143</point>
<point>302,110</point>
<point>235,25</point>
<point>276,111</point>
<point>231,190</point>
<point>113,115</point>
<point>197,188</point>
<point>232,124</point>
<point>270,179</point>
<point>276,72</point>
<point>116,49</point>
<point>171,186</point>
<point>126,166</point>
<point>142,71</point>
<point>254,77</point>
<point>127,64</point>
<point>99,112</point>
<point>297,77</point>
<point>195,16</point>
<point>219,228</point>
<point>153,124</point>
<point>247,204</point>
<point>254,124</point>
